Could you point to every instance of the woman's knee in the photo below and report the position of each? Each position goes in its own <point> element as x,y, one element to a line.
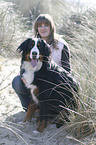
<point>19,86</point>
<point>16,83</point>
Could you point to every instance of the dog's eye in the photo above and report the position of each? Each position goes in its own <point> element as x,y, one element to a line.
<point>33,43</point>
<point>38,45</point>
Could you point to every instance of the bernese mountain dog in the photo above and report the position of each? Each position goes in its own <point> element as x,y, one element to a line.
<point>51,86</point>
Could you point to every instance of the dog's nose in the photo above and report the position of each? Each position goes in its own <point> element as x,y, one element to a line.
<point>34,54</point>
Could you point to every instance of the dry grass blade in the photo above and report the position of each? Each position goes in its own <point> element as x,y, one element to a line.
<point>9,127</point>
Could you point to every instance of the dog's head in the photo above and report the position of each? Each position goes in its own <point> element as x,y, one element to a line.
<point>34,50</point>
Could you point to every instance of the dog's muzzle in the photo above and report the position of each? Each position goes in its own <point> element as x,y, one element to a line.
<point>34,58</point>
<point>34,55</point>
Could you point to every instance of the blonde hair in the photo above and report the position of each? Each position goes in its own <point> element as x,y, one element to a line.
<point>46,19</point>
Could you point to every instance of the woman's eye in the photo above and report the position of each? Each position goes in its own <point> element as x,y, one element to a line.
<point>46,25</point>
<point>39,25</point>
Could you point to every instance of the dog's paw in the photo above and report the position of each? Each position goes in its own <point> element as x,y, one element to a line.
<point>41,125</point>
<point>36,132</point>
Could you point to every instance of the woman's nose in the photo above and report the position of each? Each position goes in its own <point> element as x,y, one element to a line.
<point>43,26</point>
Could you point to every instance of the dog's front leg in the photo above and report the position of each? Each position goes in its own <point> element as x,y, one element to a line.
<point>30,111</point>
<point>43,116</point>
<point>41,125</point>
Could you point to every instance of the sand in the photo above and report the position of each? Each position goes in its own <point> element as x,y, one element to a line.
<point>12,129</point>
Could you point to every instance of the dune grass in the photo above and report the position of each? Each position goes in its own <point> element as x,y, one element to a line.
<point>12,30</point>
<point>77,25</point>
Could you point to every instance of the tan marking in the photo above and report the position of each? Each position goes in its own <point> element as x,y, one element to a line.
<point>27,57</point>
<point>41,58</point>
<point>31,110</point>
<point>36,91</point>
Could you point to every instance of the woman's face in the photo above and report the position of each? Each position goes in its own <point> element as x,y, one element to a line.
<point>44,30</point>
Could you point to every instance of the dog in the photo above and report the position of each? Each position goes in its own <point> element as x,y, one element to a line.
<point>51,86</point>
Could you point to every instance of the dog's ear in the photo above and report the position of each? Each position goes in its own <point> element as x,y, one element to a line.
<point>46,48</point>
<point>24,45</point>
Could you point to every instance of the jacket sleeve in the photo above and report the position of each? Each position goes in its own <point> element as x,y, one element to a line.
<point>65,59</point>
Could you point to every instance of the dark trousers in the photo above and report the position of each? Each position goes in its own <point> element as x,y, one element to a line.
<point>22,92</point>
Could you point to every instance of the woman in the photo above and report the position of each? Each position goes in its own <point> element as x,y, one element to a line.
<point>44,28</point>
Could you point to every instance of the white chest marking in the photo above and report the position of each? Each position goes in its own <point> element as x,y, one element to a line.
<point>33,96</point>
<point>28,76</point>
